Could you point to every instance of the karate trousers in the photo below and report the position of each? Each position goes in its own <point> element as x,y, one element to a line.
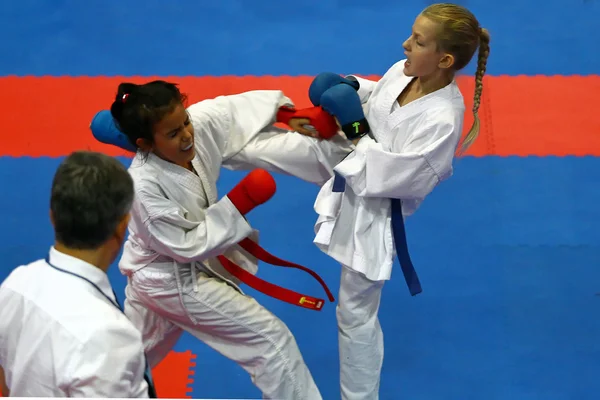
<point>162,304</point>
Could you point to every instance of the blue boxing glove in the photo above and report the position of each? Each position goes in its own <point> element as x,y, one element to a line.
<point>342,101</point>
<point>327,80</point>
<point>105,130</point>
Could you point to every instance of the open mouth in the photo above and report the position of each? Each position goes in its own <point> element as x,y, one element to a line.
<point>189,146</point>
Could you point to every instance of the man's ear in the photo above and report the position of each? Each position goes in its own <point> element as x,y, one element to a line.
<point>121,230</point>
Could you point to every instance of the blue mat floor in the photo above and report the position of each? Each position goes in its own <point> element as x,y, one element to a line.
<point>508,260</point>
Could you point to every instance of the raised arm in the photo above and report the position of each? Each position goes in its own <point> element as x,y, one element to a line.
<point>230,122</point>
<point>237,132</point>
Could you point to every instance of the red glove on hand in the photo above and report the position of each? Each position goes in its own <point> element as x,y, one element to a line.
<point>321,120</point>
<point>255,189</point>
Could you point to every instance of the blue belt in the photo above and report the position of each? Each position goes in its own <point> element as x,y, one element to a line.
<point>399,232</point>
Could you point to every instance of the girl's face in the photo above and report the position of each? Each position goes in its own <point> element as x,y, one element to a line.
<point>174,138</point>
<point>423,57</point>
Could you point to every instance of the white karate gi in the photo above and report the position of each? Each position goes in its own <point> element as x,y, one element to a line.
<point>178,226</point>
<point>413,152</point>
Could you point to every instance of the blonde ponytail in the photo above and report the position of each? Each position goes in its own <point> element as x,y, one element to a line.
<point>484,52</point>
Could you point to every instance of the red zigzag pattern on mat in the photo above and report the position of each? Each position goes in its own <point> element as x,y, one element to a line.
<point>174,376</point>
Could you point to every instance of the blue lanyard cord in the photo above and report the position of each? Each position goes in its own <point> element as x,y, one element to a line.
<point>113,302</point>
<point>147,374</point>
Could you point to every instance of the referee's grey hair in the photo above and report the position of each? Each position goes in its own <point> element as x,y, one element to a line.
<point>91,194</point>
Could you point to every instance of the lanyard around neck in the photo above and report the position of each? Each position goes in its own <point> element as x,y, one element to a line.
<point>147,373</point>
<point>114,302</point>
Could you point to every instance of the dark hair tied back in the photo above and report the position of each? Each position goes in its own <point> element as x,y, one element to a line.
<point>138,108</point>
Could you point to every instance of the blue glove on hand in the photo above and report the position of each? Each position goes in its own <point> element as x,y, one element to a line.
<point>338,96</point>
<point>324,81</point>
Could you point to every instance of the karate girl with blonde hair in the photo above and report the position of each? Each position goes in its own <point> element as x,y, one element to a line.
<point>406,129</point>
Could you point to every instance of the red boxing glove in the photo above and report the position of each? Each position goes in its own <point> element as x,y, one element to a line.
<point>321,120</point>
<point>255,189</point>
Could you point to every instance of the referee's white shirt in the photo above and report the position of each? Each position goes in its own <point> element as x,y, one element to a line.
<point>59,336</point>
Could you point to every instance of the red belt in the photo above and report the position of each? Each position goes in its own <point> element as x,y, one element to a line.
<point>278,292</point>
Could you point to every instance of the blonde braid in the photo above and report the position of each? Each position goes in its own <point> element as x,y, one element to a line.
<point>484,52</point>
